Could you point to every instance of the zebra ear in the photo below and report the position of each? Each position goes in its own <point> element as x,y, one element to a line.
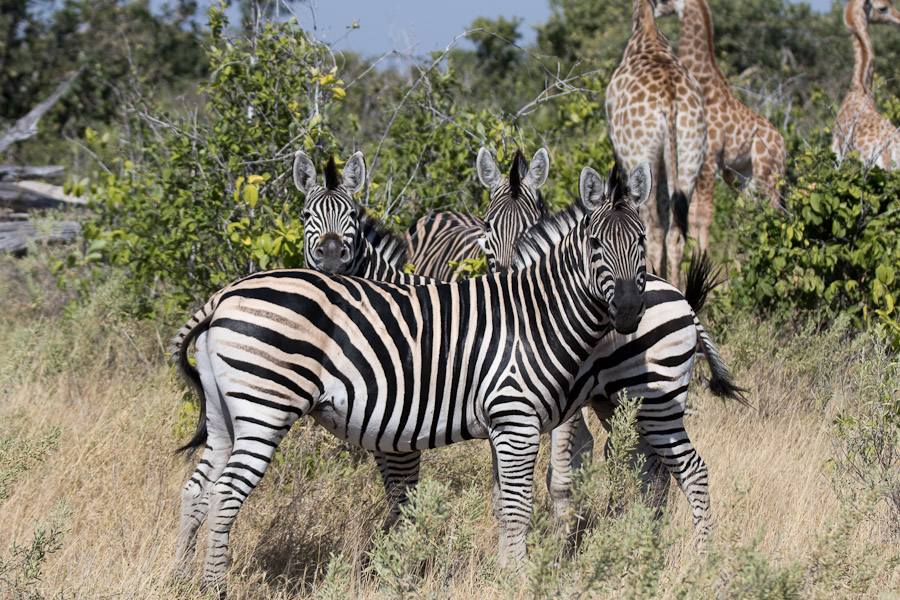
<point>639,184</point>
<point>592,189</point>
<point>355,173</point>
<point>538,169</point>
<point>488,173</point>
<point>304,172</point>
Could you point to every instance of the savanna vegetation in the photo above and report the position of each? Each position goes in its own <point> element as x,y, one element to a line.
<point>180,129</point>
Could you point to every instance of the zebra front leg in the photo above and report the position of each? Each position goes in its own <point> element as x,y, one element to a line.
<point>400,475</point>
<point>516,449</point>
<point>571,444</point>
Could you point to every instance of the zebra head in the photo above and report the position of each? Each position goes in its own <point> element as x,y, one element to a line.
<point>330,214</point>
<point>615,243</point>
<point>516,203</point>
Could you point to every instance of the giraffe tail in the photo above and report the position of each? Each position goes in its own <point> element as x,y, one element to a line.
<point>700,282</point>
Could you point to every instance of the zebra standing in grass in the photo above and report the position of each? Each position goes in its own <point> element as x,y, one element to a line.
<point>398,368</point>
<point>653,363</point>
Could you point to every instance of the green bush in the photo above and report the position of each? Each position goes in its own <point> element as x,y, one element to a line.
<point>837,247</point>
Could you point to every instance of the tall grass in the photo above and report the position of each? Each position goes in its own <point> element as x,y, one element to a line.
<point>793,518</point>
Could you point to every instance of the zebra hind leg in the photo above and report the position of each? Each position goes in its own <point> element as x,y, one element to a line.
<point>516,451</point>
<point>690,472</point>
<point>255,444</point>
<point>195,494</point>
<point>400,475</point>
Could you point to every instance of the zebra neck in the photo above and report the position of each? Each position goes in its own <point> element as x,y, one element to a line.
<point>546,234</point>
<point>562,292</point>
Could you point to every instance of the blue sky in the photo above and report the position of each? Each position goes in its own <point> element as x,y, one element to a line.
<point>385,25</point>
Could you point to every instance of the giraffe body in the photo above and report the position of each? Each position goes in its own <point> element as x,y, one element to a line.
<point>654,109</point>
<point>859,127</point>
<point>740,141</point>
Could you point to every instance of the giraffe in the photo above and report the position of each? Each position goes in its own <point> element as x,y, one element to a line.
<point>859,127</point>
<point>654,110</point>
<point>738,139</point>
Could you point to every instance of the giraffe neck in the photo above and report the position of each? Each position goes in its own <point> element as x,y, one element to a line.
<point>643,31</point>
<point>863,54</point>
<point>695,45</point>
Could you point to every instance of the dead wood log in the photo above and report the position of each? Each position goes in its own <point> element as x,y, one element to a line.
<point>14,236</point>
<point>25,195</point>
<point>17,172</point>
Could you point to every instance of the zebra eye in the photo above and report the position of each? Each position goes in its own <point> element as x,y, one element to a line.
<point>595,244</point>
<point>353,215</point>
<point>306,214</point>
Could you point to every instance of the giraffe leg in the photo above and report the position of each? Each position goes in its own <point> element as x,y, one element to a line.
<point>767,156</point>
<point>516,447</point>
<point>701,210</point>
<point>656,233</point>
<point>571,445</point>
<point>400,475</point>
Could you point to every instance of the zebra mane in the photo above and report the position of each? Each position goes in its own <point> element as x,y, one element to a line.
<point>548,232</point>
<point>392,247</point>
<point>331,175</point>
<point>553,227</point>
<point>517,172</point>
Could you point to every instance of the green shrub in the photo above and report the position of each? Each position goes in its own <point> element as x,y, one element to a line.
<point>837,247</point>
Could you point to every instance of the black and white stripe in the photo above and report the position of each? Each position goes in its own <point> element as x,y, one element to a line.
<point>398,368</point>
<point>653,363</point>
<point>439,239</point>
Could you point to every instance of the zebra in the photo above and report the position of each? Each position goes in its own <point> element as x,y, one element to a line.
<point>654,363</point>
<point>399,368</point>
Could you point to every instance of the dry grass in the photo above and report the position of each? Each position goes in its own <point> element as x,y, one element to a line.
<point>103,380</point>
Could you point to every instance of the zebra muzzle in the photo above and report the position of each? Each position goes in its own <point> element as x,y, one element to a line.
<point>331,254</point>
<point>626,307</point>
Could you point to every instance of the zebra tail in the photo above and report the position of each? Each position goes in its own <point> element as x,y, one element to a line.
<point>194,327</point>
<point>700,282</point>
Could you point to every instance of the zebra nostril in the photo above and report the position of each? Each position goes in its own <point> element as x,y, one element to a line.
<point>345,254</point>
<point>319,253</point>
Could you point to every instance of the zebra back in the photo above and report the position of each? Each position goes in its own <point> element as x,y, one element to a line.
<point>438,239</point>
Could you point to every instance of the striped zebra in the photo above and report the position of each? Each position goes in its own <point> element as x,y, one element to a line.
<point>398,369</point>
<point>654,363</point>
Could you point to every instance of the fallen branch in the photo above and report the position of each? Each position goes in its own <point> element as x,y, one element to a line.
<point>27,125</point>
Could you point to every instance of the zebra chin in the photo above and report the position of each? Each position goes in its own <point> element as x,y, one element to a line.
<point>626,307</point>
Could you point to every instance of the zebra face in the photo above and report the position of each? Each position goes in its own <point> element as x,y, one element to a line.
<point>330,214</point>
<point>516,203</point>
<point>617,270</point>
